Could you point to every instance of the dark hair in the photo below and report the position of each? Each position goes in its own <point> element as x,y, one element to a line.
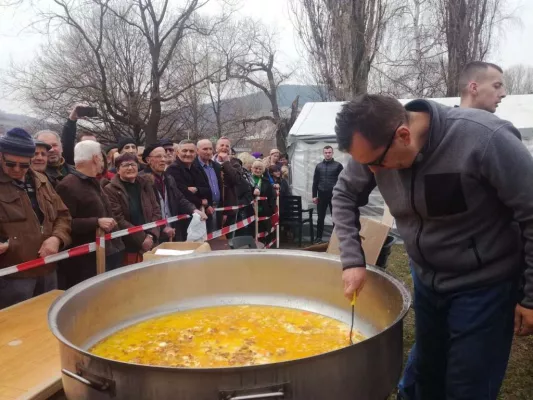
<point>372,115</point>
<point>472,71</point>
<point>125,158</point>
<point>274,168</point>
<point>327,147</point>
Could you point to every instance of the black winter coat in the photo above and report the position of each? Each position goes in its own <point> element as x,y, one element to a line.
<point>326,175</point>
<point>186,177</point>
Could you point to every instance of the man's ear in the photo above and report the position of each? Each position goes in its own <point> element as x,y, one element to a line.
<point>473,87</point>
<point>403,134</point>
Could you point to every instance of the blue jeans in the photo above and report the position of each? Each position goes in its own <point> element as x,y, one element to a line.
<point>463,341</point>
<point>406,386</point>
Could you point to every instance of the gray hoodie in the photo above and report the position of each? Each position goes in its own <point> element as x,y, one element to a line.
<point>457,208</point>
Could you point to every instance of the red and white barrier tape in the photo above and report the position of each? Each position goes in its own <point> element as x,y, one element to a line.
<point>272,243</point>
<point>232,228</point>
<point>75,251</point>
<point>90,247</point>
<point>264,234</point>
<point>230,208</point>
<point>150,225</point>
<point>87,248</point>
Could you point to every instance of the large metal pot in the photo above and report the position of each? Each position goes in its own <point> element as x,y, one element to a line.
<point>310,281</point>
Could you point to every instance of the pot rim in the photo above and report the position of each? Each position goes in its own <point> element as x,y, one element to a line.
<point>68,294</point>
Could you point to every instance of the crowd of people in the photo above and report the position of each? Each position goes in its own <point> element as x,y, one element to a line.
<point>457,180</point>
<point>57,191</point>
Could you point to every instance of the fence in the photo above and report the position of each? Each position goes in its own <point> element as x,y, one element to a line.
<point>99,245</point>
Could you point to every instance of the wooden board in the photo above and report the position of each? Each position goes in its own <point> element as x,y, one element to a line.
<point>29,354</point>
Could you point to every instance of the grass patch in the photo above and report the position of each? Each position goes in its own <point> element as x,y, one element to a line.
<point>518,383</point>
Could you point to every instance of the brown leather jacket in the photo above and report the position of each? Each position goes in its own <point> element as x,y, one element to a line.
<point>19,223</point>
<point>118,197</point>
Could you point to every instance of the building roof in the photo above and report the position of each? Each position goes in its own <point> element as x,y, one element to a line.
<point>317,120</point>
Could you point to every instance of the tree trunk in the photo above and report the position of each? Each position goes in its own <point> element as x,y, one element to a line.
<point>458,37</point>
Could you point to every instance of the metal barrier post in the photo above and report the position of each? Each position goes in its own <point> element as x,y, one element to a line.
<point>256,212</point>
<point>277,227</point>
<point>100,251</point>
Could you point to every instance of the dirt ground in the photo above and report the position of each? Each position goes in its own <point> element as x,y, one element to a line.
<point>518,383</point>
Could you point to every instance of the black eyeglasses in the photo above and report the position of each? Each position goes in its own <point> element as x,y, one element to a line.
<point>13,164</point>
<point>128,165</point>
<point>378,162</point>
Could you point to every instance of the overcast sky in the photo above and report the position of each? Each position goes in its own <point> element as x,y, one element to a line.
<point>20,45</point>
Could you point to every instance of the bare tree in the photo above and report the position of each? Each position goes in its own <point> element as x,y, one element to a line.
<point>519,79</point>
<point>342,38</point>
<point>408,63</point>
<point>312,22</point>
<point>127,72</point>
<point>469,28</point>
<point>258,70</point>
<point>228,44</point>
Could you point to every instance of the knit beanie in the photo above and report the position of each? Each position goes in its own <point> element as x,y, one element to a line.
<point>148,149</point>
<point>17,142</point>
<point>124,141</point>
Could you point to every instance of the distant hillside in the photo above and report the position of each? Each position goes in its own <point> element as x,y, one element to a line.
<point>286,95</point>
<point>257,103</point>
<point>8,121</point>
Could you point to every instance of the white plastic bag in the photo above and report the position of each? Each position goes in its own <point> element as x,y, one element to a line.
<point>197,230</point>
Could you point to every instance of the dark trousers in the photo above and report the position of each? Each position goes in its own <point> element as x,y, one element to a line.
<point>324,201</point>
<point>114,261</point>
<point>242,214</point>
<point>214,221</point>
<point>463,341</point>
<point>13,291</point>
<point>79,269</point>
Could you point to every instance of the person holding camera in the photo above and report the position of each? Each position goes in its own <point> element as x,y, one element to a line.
<point>68,135</point>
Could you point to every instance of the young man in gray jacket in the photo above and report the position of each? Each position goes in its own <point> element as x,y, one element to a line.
<point>458,182</point>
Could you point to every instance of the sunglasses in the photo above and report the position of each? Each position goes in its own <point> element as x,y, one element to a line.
<point>169,149</point>
<point>13,164</point>
<point>378,162</point>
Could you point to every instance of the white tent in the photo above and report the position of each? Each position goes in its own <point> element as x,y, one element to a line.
<point>315,127</point>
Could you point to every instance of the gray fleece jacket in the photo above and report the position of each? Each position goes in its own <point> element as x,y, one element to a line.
<point>458,208</point>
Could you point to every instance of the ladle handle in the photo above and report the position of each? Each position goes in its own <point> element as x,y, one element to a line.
<point>99,386</point>
<point>274,395</point>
